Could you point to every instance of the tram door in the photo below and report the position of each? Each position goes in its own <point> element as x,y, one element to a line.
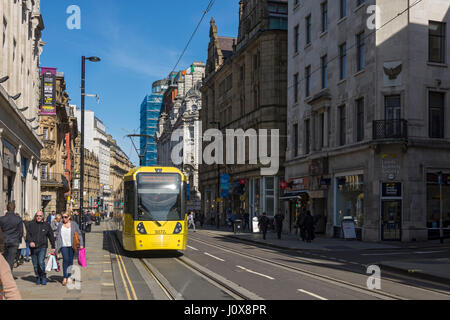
<point>391,217</point>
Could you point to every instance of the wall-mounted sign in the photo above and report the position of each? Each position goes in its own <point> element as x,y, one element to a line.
<point>300,184</point>
<point>224,185</point>
<point>393,189</point>
<point>48,93</point>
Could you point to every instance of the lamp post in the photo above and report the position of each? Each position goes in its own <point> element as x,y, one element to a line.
<point>218,180</point>
<point>83,95</point>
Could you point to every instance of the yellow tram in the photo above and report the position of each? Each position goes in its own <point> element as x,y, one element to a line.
<point>154,215</point>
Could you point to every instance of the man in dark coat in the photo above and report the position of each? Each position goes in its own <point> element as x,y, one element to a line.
<point>264,224</point>
<point>38,234</point>
<point>12,227</point>
<point>308,223</point>
<point>279,223</point>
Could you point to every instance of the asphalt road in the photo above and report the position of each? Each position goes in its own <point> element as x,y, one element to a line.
<point>259,272</point>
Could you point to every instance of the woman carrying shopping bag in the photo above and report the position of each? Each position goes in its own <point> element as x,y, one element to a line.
<point>68,237</point>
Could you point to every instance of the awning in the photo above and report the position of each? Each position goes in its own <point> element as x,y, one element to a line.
<point>293,195</point>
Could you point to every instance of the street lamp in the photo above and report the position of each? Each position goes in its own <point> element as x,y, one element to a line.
<point>218,180</point>
<point>83,95</point>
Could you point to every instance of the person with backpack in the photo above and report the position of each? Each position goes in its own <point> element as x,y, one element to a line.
<point>264,224</point>
<point>12,227</point>
<point>38,234</point>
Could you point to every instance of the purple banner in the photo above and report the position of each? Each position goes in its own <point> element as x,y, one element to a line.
<point>48,94</point>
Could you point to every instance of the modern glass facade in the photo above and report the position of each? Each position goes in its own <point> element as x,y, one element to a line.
<point>150,111</point>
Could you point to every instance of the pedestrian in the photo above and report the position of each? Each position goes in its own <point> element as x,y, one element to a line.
<point>76,217</point>
<point>279,217</point>
<point>301,226</point>
<point>22,247</point>
<point>38,234</point>
<point>202,218</point>
<point>54,224</point>
<point>309,226</point>
<point>12,227</point>
<point>8,287</point>
<point>246,220</point>
<point>191,220</point>
<point>264,224</point>
<point>64,244</point>
<point>88,219</point>
<point>51,217</point>
<point>26,252</point>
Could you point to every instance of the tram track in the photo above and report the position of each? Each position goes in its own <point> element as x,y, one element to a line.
<point>343,283</point>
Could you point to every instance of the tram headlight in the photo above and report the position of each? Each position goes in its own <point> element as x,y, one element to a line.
<point>141,228</point>
<point>178,228</point>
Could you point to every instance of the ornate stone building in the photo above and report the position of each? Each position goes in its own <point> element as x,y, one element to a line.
<point>245,88</point>
<point>91,178</point>
<point>20,146</point>
<point>119,166</point>
<point>58,132</point>
<point>183,116</point>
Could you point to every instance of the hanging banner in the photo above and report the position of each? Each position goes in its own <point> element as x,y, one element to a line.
<point>224,185</point>
<point>48,94</point>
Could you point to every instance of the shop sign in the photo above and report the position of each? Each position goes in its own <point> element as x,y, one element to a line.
<point>46,198</point>
<point>300,184</point>
<point>392,189</point>
<point>224,185</point>
<point>318,194</point>
<point>348,228</point>
<point>390,166</point>
<point>48,94</point>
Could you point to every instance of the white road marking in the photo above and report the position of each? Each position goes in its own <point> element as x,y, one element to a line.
<point>210,255</point>
<point>257,273</point>
<point>192,248</point>
<point>312,294</point>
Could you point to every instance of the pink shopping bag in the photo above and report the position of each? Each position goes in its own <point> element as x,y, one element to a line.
<point>82,257</point>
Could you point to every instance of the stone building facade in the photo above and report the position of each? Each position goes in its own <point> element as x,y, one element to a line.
<point>58,132</point>
<point>245,88</point>
<point>182,119</point>
<point>91,178</point>
<point>368,116</point>
<point>20,145</point>
<point>120,165</point>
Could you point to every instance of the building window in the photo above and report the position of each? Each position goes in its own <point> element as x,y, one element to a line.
<point>343,9</point>
<point>436,35</point>
<point>436,106</point>
<point>295,128</point>
<point>322,130</point>
<point>343,61</point>
<point>296,38</point>
<point>44,172</point>
<point>308,29</point>
<point>360,120</point>
<point>296,86</point>
<point>324,11</point>
<point>342,125</point>
<point>324,67</point>
<point>307,137</point>
<point>360,45</point>
<point>308,81</point>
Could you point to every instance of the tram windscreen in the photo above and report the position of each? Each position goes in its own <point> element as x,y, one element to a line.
<point>159,197</point>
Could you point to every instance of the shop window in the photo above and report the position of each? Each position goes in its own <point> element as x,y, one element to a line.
<point>269,196</point>
<point>434,201</point>
<point>350,199</point>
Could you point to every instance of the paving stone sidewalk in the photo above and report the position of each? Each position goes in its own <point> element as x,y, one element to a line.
<point>96,279</point>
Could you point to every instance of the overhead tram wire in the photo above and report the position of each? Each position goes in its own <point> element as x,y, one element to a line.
<point>210,5</point>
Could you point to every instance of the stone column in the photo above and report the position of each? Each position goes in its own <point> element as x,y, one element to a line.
<point>18,183</point>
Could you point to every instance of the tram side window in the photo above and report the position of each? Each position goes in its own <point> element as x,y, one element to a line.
<point>129,198</point>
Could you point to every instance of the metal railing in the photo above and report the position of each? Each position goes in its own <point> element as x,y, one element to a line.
<point>390,129</point>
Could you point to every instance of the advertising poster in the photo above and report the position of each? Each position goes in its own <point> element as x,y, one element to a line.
<point>48,94</point>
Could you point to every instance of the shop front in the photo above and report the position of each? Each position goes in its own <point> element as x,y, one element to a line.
<point>438,204</point>
<point>349,202</point>
<point>295,199</point>
<point>391,211</point>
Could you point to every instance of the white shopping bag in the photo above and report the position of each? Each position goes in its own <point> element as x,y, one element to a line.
<point>54,264</point>
<point>49,265</point>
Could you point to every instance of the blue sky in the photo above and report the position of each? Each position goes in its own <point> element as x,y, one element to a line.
<point>139,42</point>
